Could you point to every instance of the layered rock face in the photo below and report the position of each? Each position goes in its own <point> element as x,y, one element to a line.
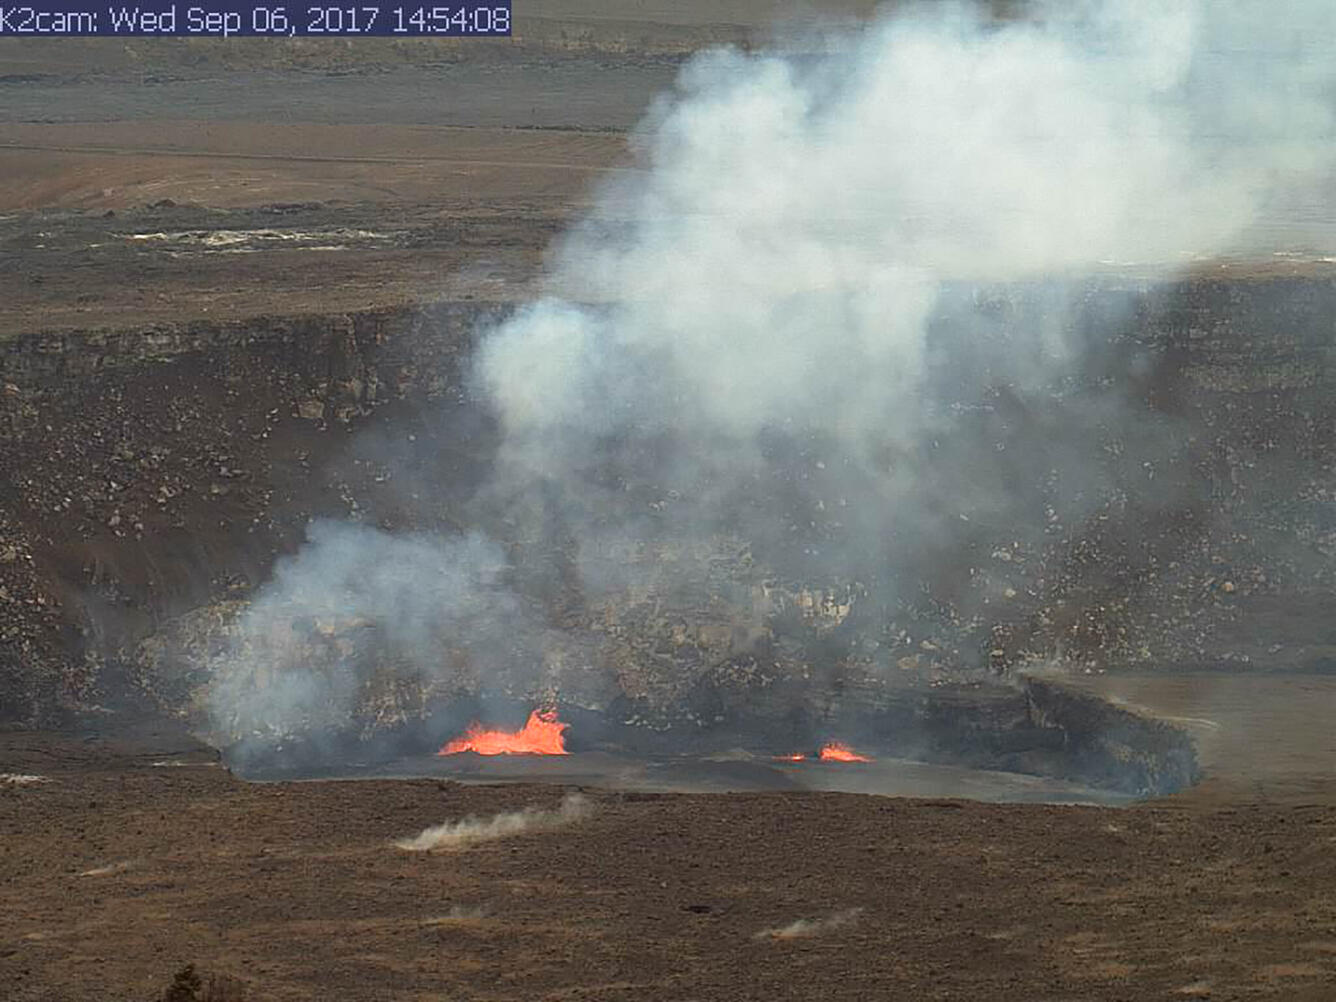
<point>152,472</point>
<point>153,477</point>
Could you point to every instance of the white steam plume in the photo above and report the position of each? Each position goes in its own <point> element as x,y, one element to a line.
<point>766,335</point>
<point>458,915</point>
<point>20,779</point>
<point>355,599</point>
<point>804,928</point>
<point>782,258</point>
<point>471,831</point>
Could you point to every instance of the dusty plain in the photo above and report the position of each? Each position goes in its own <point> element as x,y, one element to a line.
<point>138,854</point>
<point>415,172</point>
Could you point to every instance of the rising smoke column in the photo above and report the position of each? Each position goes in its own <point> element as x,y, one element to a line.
<point>780,261</point>
<point>781,332</point>
<point>764,335</point>
<point>355,599</point>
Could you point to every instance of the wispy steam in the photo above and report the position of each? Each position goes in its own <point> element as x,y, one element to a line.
<point>471,831</point>
<point>458,914</point>
<point>767,336</point>
<point>803,928</point>
<point>356,600</point>
<point>108,870</point>
<point>20,779</point>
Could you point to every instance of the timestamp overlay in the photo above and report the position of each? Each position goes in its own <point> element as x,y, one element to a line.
<point>252,18</point>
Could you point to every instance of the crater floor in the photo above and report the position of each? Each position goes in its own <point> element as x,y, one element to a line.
<point>136,854</point>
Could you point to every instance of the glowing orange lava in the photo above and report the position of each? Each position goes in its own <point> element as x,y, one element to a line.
<point>837,752</point>
<point>795,757</point>
<point>542,734</point>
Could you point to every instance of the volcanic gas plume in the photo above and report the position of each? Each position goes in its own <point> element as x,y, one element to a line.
<point>20,779</point>
<point>804,928</point>
<point>470,831</point>
<point>786,341</point>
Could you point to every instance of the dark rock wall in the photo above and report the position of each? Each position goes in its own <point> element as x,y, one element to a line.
<point>147,473</point>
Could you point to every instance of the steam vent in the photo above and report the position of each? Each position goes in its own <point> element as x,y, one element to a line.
<point>746,501</point>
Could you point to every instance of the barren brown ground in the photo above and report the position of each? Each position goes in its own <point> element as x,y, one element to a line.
<point>135,856</point>
<point>234,164</point>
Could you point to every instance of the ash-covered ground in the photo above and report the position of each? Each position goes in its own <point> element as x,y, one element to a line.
<point>347,390</point>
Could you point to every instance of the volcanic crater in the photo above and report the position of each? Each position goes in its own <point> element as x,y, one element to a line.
<point>237,334</point>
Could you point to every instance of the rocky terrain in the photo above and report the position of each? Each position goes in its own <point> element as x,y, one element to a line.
<point>163,468</point>
<point>133,856</point>
<point>222,321</point>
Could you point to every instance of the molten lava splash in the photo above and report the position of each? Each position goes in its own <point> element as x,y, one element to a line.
<point>542,734</point>
<point>795,757</point>
<point>837,752</point>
